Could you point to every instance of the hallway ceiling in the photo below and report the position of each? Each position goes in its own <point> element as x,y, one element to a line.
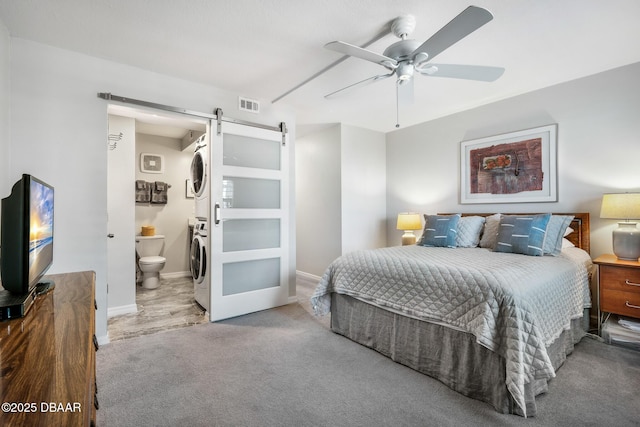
<point>261,49</point>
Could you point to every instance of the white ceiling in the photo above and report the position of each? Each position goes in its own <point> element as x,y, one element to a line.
<point>262,48</point>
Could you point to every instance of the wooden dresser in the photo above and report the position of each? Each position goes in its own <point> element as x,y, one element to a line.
<point>48,358</point>
<point>618,286</point>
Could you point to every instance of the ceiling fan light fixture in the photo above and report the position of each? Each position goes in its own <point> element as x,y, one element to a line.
<point>405,71</point>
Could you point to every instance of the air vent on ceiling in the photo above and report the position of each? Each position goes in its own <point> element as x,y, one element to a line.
<point>250,105</point>
<point>151,163</point>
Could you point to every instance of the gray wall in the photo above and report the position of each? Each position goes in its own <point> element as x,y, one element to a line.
<point>598,150</point>
<point>340,195</point>
<point>319,200</point>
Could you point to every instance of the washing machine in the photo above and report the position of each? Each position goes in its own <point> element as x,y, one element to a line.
<point>200,177</point>
<point>199,263</point>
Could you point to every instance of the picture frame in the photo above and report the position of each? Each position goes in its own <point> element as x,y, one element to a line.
<point>188,189</point>
<point>515,167</point>
<point>151,163</point>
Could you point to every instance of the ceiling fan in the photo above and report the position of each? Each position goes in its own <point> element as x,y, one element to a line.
<point>407,57</point>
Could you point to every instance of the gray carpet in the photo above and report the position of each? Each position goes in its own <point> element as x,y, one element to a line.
<point>282,367</point>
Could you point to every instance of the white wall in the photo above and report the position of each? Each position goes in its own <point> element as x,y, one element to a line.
<point>340,195</point>
<point>121,265</point>
<point>5,105</point>
<point>59,133</point>
<point>598,149</point>
<point>364,178</point>
<point>170,220</point>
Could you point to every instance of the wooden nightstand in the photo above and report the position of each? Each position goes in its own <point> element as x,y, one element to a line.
<point>618,287</point>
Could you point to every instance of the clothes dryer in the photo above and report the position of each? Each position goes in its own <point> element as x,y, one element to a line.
<point>199,263</point>
<point>200,178</point>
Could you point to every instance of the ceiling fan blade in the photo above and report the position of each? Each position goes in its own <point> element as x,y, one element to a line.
<point>458,28</point>
<point>467,72</point>
<point>358,84</point>
<point>358,52</point>
<point>405,92</point>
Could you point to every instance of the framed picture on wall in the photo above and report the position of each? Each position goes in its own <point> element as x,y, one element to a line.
<point>516,167</point>
<point>188,190</point>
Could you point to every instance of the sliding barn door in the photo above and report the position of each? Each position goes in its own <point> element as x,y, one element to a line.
<point>249,220</point>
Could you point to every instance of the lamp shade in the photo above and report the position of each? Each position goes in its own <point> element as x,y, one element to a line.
<point>409,221</point>
<point>626,238</point>
<point>620,206</point>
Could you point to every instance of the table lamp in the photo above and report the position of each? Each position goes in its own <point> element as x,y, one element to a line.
<point>408,222</point>
<point>626,238</point>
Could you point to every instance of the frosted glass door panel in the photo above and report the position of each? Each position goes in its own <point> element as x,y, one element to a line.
<point>251,193</point>
<point>251,152</point>
<point>248,234</point>
<point>247,276</point>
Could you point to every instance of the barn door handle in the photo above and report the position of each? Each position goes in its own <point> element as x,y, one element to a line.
<point>216,214</point>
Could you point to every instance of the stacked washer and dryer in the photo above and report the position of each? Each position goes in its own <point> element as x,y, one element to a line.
<point>199,257</point>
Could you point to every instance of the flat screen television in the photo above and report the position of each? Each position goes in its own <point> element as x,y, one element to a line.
<point>26,246</point>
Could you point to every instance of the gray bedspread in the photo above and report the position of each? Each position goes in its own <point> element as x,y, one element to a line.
<point>515,305</point>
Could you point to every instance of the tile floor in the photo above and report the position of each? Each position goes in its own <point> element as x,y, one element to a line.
<point>169,306</point>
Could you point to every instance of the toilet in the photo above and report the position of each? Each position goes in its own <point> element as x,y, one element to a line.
<point>150,262</point>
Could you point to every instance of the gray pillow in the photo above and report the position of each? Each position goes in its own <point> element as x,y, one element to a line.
<point>555,232</point>
<point>490,234</point>
<point>469,229</point>
<point>522,234</point>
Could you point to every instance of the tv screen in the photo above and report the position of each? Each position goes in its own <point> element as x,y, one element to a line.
<point>26,250</point>
<point>40,229</point>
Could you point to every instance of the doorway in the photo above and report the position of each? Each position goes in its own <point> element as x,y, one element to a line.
<point>132,310</point>
<point>248,235</point>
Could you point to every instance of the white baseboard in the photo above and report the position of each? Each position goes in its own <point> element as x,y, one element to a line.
<point>122,309</point>
<point>175,275</point>
<point>103,339</point>
<point>307,276</point>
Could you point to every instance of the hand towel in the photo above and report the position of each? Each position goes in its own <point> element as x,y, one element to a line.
<point>143,192</point>
<point>159,193</point>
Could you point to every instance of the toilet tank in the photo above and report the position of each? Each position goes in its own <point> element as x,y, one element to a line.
<point>149,245</point>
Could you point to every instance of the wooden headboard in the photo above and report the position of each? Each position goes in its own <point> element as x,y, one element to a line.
<point>580,225</point>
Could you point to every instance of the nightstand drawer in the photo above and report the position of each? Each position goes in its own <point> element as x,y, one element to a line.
<point>620,279</point>
<point>624,303</point>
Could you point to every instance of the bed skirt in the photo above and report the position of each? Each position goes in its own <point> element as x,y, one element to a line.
<point>448,355</point>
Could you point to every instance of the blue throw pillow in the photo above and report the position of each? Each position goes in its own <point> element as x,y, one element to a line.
<point>440,230</point>
<point>522,234</point>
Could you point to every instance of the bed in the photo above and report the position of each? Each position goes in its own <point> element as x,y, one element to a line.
<point>489,323</point>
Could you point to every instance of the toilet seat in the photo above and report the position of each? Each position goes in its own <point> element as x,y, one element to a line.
<point>152,260</point>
